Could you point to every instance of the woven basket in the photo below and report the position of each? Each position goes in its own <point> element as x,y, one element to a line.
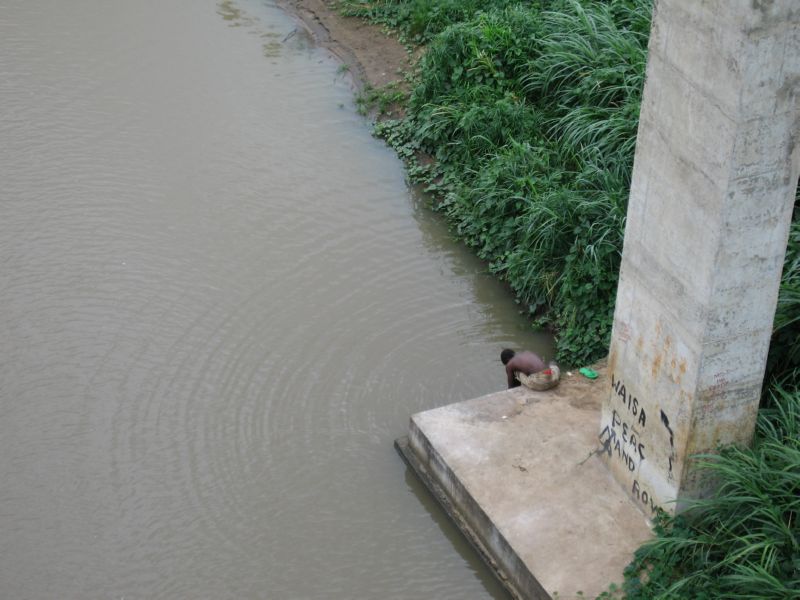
<point>543,380</point>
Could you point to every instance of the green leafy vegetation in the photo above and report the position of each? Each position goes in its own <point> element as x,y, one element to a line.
<point>380,100</point>
<point>419,20</point>
<point>529,112</point>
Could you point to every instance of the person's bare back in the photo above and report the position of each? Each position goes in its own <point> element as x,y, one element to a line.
<point>520,362</point>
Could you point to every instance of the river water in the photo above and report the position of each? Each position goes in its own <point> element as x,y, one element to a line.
<point>219,305</point>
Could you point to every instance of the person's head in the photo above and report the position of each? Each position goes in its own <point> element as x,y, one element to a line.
<point>506,355</point>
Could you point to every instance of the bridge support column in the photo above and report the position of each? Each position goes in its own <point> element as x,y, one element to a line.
<point>715,173</point>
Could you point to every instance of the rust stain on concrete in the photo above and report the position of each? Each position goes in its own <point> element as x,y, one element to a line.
<point>677,369</point>
<point>657,364</point>
<point>681,371</point>
<point>612,362</point>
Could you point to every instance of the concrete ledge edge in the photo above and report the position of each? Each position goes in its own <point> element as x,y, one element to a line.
<point>477,539</point>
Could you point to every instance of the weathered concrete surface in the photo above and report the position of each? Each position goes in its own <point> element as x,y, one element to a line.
<point>715,172</point>
<point>518,472</point>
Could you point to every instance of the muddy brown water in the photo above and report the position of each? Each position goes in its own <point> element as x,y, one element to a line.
<point>219,304</point>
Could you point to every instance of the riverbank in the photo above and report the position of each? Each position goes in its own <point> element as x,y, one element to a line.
<point>372,57</point>
<point>521,158</point>
<point>531,113</point>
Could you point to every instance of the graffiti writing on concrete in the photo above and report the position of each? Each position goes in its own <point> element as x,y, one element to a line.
<point>624,436</point>
<point>621,436</point>
<point>642,496</point>
<point>630,401</point>
<point>665,422</point>
<point>621,439</point>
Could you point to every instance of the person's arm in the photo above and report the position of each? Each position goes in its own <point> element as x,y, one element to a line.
<point>512,380</point>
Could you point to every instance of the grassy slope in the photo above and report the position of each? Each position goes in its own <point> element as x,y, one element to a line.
<point>531,115</point>
<point>530,111</point>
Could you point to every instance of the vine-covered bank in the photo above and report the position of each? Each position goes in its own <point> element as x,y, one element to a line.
<point>529,111</point>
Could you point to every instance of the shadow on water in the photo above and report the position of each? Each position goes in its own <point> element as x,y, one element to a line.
<point>467,553</point>
<point>504,322</point>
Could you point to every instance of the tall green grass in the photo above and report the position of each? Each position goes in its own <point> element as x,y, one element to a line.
<point>419,21</point>
<point>744,542</point>
<point>530,111</point>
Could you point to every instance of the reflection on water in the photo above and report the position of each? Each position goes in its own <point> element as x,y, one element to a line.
<point>272,49</point>
<point>220,305</point>
<point>500,320</point>
<point>274,40</point>
<point>229,11</point>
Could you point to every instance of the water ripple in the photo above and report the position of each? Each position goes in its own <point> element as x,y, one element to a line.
<point>220,305</point>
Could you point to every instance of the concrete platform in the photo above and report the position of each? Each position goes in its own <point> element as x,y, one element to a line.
<point>516,471</point>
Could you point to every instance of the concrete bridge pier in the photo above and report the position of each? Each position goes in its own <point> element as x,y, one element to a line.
<point>715,175</point>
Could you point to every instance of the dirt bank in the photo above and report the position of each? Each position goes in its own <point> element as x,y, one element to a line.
<point>372,56</point>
